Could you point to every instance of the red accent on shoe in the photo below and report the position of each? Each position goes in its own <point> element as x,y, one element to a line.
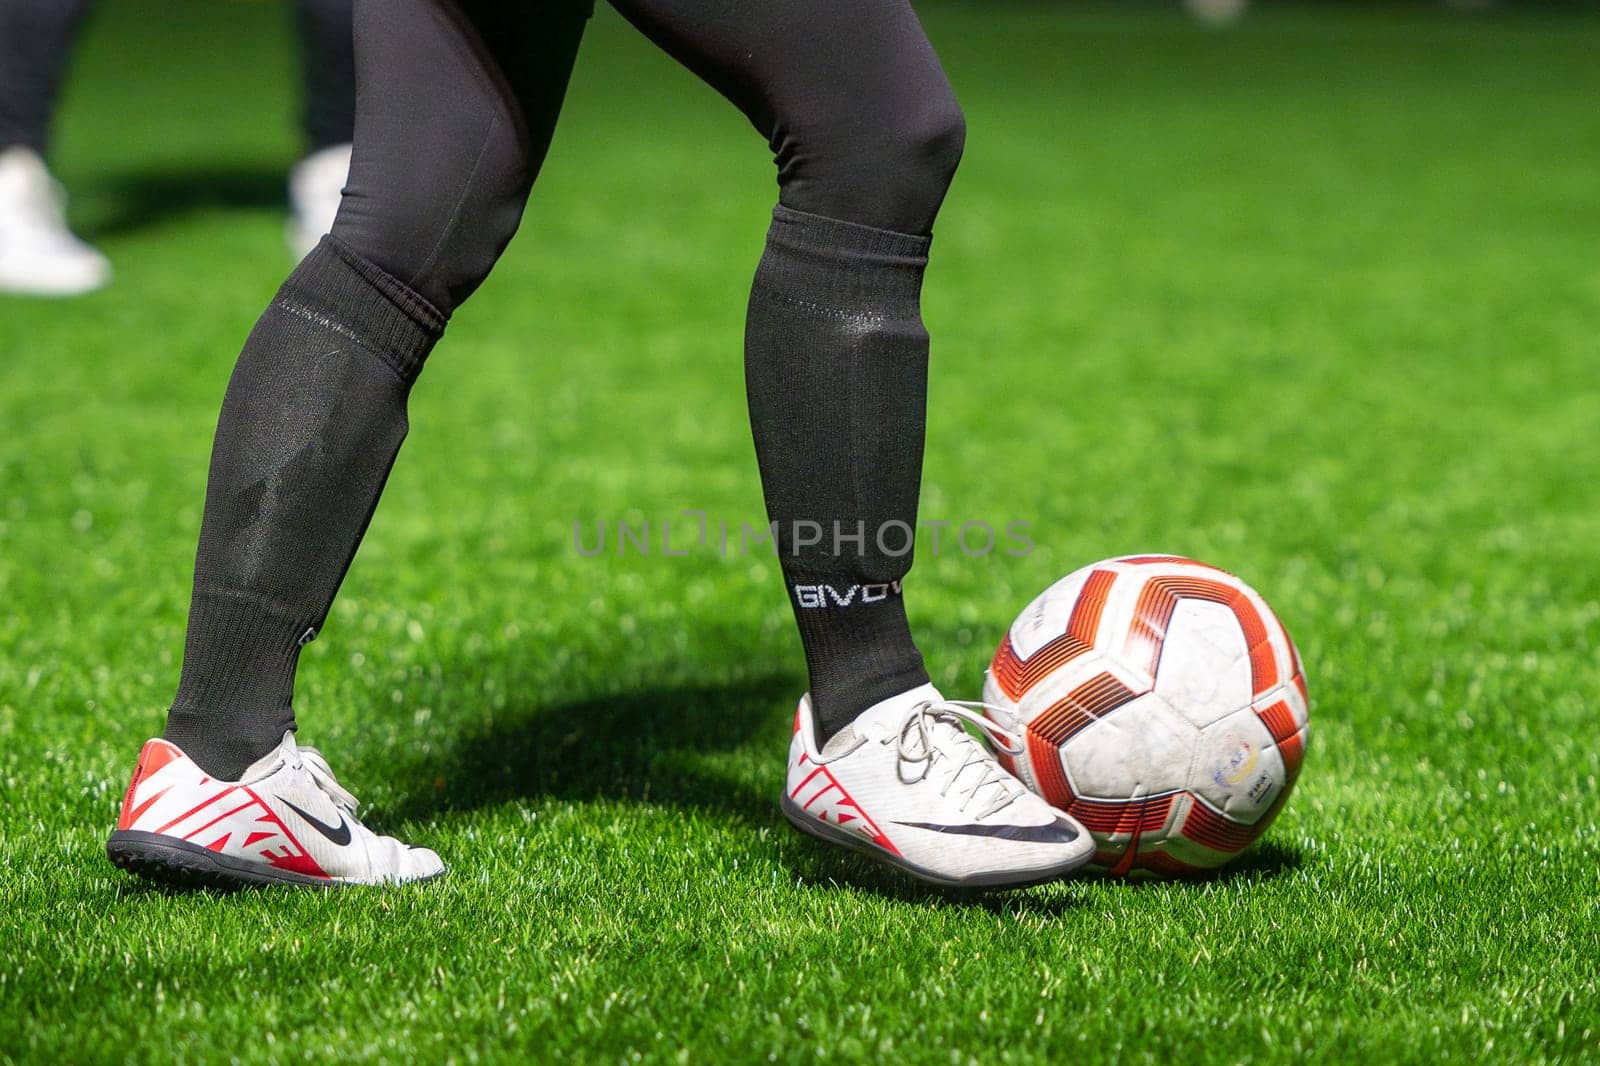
<point>300,864</point>
<point>196,809</point>
<point>157,753</point>
<point>795,792</point>
<point>827,786</point>
<point>220,843</point>
<point>295,858</point>
<point>878,836</point>
<point>131,818</point>
<point>153,756</point>
<point>225,814</point>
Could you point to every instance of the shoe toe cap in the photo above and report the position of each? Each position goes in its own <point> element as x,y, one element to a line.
<point>419,864</point>
<point>395,863</point>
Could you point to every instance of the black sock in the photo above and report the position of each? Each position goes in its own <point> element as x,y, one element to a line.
<point>836,370</point>
<point>311,423</point>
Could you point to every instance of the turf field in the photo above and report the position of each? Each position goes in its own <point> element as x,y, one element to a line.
<point>1317,300</point>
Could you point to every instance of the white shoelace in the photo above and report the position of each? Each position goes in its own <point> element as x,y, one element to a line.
<point>322,774</point>
<point>955,743</point>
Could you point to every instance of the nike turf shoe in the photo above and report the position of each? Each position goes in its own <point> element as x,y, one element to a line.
<point>286,821</point>
<point>39,255</point>
<point>908,785</point>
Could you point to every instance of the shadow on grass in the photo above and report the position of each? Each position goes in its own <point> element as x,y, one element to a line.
<point>125,887</point>
<point>817,863</point>
<point>660,746</point>
<point>650,746</point>
<point>822,866</point>
<point>1263,862</point>
<point>122,203</point>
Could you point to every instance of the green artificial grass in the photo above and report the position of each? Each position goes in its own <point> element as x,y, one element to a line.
<point>1316,299</point>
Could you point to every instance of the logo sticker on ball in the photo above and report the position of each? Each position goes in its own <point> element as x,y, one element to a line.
<point>1238,766</point>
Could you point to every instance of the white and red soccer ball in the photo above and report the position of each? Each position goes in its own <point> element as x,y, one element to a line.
<point>1161,703</point>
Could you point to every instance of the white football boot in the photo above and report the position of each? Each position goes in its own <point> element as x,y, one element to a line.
<point>316,184</point>
<point>39,256</point>
<point>286,821</point>
<point>908,785</point>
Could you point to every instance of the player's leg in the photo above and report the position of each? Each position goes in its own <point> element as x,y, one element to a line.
<point>866,134</point>
<point>37,37</point>
<point>328,94</point>
<point>38,253</point>
<point>447,143</point>
<point>495,77</point>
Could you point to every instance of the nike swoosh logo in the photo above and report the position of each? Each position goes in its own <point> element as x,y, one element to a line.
<point>339,834</point>
<point>1055,833</point>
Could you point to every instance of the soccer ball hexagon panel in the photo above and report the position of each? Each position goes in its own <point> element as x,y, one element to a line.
<point>1161,703</point>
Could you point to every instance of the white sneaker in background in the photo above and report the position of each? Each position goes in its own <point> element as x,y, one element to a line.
<point>315,185</point>
<point>39,256</point>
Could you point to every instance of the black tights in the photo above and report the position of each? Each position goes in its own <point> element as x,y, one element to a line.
<point>457,101</point>
<point>456,104</point>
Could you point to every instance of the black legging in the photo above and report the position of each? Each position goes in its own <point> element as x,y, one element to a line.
<point>457,100</point>
<point>37,36</point>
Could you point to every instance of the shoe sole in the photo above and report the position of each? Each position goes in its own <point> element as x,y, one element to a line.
<point>991,880</point>
<point>177,862</point>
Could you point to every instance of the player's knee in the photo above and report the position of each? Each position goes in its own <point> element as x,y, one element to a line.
<point>438,229</point>
<point>470,249</point>
<point>909,168</point>
<point>892,175</point>
<point>927,155</point>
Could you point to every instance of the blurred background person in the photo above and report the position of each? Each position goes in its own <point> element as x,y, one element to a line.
<point>1216,12</point>
<point>39,254</point>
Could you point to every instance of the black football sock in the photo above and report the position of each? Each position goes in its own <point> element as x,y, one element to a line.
<point>836,371</point>
<point>311,423</point>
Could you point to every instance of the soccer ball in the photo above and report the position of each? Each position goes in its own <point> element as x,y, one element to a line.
<point>1161,703</point>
